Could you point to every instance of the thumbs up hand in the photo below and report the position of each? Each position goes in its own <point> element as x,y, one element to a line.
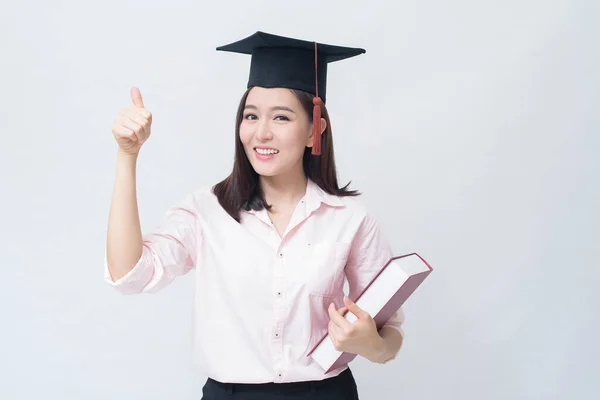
<point>132,125</point>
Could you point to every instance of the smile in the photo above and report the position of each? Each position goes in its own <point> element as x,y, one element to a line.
<point>265,152</point>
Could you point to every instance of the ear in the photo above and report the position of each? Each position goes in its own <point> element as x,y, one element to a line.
<point>323,125</point>
<point>309,143</point>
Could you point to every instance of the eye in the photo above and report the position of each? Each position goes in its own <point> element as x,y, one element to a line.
<point>281,118</point>
<point>250,116</point>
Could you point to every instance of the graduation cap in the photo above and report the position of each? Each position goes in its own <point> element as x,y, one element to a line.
<point>279,61</point>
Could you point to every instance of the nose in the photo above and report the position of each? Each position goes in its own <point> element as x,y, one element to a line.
<point>263,131</point>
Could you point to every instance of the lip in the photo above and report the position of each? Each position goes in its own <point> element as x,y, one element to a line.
<point>264,157</point>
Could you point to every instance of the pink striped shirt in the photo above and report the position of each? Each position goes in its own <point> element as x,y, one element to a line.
<point>260,298</point>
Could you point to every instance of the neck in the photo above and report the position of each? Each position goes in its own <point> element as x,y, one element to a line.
<point>284,190</point>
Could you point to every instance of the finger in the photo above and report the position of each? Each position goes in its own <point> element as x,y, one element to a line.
<point>337,318</point>
<point>334,331</point>
<point>331,333</point>
<point>354,309</point>
<point>142,112</point>
<point>127,122</point>
<point>136,97</point>
<point>121,131</point>
<point>137,118</point>
<point>335,335</point>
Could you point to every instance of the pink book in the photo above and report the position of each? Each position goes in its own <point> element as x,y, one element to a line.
<point>381,298</point>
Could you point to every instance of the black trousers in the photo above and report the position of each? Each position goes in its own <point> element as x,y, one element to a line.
<point>341,387</point>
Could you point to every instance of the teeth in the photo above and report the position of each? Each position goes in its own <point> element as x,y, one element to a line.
<point>266,151</point>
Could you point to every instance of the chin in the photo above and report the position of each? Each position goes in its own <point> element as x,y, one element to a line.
<point>263,170</point>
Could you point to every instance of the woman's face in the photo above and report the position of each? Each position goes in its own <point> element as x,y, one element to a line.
<point>275,131</point>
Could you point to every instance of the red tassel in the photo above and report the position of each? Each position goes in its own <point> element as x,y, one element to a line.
<point>316,148</point>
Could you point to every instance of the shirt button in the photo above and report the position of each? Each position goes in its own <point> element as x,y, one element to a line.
<point>279,294</point>
<point>280,254</point>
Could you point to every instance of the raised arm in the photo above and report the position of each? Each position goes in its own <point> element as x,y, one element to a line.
<point>136,262</point>
<point>124,240</point>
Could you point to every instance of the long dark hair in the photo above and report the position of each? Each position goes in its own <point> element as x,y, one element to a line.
<point>241,189</point>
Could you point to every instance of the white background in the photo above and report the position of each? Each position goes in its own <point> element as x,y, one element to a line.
<point>471,127</point>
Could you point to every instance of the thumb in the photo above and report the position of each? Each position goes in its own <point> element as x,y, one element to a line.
<point>136,97</point>
<point>353,308</point>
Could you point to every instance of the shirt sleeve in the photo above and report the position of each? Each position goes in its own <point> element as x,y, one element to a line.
<point>396,321</point>
<point>168,251</point>
<point>369,252</point>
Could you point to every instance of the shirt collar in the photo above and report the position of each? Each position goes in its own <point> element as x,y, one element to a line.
<point>314,197</point>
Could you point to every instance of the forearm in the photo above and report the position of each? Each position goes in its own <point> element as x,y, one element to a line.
<point>124,239</point>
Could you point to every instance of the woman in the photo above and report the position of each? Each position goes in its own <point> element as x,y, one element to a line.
<point>271,244</point>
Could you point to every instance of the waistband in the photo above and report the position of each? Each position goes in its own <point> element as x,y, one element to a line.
<point>342,379</point>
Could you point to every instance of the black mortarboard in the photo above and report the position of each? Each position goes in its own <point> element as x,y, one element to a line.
<point>279,61</point>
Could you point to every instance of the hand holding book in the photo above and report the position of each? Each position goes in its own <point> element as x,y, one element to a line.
<point>379,300</point>
<point>360,337</point>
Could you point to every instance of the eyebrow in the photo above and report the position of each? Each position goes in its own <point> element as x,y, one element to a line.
<point>276,108</point>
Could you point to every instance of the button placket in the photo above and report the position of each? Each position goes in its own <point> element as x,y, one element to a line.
<point>278,315</point>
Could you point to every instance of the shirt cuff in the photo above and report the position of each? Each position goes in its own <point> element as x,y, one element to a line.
<point>396,321</point>
<point>396,327</point>
<point>137,279</point>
